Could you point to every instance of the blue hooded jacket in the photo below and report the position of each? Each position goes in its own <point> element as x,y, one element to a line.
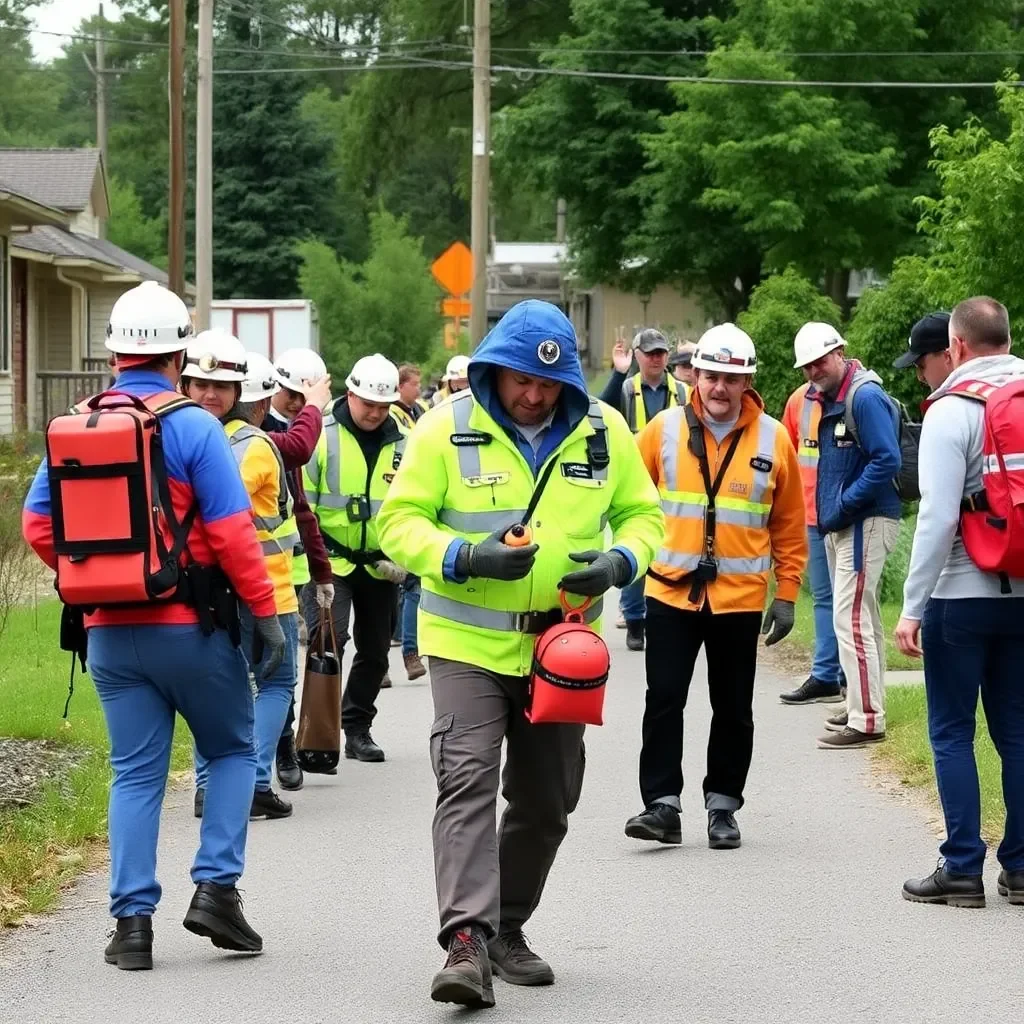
<point>535,338</point>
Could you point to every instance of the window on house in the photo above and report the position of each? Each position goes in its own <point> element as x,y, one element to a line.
<point>5,308</point>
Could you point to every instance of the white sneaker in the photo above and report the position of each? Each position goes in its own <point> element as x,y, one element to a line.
<point>620,622</point>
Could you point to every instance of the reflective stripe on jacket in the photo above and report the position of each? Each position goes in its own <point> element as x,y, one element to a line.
<point>463,476</point>
<point>760,518</point>
<point>801,420</point>
<point>266,482</point>
<point>335,478</point>
<point>633,407</point>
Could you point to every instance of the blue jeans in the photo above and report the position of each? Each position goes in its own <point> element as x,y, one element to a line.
<point>410,606</point>
<point>273,698</point>
<point>972,644</point>
<point>825,664</point>
<point>143,675</point>
<point>632,602</point>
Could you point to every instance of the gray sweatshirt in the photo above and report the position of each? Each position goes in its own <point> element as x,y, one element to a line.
<point>950,469</point>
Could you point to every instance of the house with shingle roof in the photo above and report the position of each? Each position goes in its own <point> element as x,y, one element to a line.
<point>59,279</point>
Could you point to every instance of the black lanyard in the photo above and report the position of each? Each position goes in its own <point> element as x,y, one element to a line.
<point>699,450</point>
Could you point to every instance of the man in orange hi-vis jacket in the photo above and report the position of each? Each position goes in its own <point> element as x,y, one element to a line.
<point>730,490</point>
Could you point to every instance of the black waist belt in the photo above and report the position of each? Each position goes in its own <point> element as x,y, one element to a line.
<point>355,557</point>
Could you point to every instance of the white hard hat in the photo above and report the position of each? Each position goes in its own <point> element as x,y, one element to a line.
<point>295,367</point>
<point>375,379</point>
<point>457,368</point>
<point>215,355</point>
<point>260,378</point>
<point>148,320</point>
<point>814,340</point>
<point>725,349</point>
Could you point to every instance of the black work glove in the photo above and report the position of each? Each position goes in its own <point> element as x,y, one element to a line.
<point>780,616</point>
<point>270,637</point>
<point>493,559</point>
<point>605,569</point>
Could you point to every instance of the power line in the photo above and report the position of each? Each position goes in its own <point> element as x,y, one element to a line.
<point>554,48</point>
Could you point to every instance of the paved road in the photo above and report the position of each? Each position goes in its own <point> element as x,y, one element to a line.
<point>803,924</point>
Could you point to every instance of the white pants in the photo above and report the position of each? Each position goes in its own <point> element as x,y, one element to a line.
<point>856,556</point>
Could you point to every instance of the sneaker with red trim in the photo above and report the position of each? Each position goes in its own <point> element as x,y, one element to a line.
<point>466,977</point>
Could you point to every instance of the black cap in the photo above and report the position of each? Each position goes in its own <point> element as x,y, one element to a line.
<point>651,340</point>
<point>929,334</point>
<point>680,359</point>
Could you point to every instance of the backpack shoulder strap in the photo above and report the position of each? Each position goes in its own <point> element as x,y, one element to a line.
<point>850,420</point>
<point>163,403</point>
<point>978,390</point>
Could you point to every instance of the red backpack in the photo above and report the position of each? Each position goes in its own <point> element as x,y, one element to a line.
<point>992,520</point>
<point>114,531</point>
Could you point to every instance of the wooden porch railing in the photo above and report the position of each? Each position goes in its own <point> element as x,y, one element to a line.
<point>95,364</point>
<point>61,389</point>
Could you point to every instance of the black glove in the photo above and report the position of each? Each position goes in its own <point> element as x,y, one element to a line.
<point>493,559</point>
<point>270,635</point>
<point>780,615</point>
<point>605,569</point>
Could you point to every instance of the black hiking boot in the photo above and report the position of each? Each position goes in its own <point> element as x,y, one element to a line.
<point>1011,885</point>
<point>942,887</point>
<point>267,804</point>
<point>465,978</point>
<point>659,823</point>
<point>359,746</point>
<point>198,803</point>
<point>289,771</point>
<point>513,961</point>
<point>131,944</point>
<point>635,634</point>
<point>216,913</point>
<point>723,832</point>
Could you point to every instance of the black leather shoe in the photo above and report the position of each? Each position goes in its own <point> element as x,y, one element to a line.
<point>267,804</point>
<point>942,887</point>
<point>1011,885</point>
<point>199,802</point>
<point>723,833</point>
<point>466,977</point>
<point>216,913</point>
<point>635,635</point>
<point>513,961</point>
<point>289,771</point>
<point>659,823</point>
<point>813,691</point>
<point>359,746</point>
<point>131,944</point>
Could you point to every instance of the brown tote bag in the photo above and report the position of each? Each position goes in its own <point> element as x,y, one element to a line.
<point>319,737</point>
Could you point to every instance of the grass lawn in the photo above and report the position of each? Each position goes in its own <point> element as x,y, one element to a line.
<point>43,846</point>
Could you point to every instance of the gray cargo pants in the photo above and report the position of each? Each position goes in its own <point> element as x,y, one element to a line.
<point>496,881</point>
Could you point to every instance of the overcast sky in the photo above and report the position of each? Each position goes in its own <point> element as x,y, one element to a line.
<point>64,16</point>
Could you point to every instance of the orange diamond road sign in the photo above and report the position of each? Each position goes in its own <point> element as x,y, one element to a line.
<point>453,270</point>
<point>457,309</point>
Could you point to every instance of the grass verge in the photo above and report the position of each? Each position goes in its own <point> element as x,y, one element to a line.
<point>44,846</point>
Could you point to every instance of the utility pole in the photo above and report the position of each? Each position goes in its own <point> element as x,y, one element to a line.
<point>176,197</point>
<point>204,168</point>
<point>479,235</point>
<point>98,72</point>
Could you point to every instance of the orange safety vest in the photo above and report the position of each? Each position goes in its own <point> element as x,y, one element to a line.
<point>801,419</point>
<point>759,510</point>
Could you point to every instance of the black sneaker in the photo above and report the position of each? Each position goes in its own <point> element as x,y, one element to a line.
<point>131,944</point>
<point>1011,885</point>
<point>198,803</point>
<point>635,635</point>
<point>267,804</point>
<point>466,977</point>
<point>513,961</point>
<point>359,746</point>
<point>659,823</point>
<point>813,691</point>
<point>723,833</point>
<point>942,887</point>
<point>216,913</point>
<point>289,771</point>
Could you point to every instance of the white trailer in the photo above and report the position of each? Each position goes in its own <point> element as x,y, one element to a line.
<point>268,326</point>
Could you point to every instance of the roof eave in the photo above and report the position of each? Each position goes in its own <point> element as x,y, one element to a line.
<point>36,212</point>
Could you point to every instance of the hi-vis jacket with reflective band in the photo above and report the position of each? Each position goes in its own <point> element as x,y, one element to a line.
<point>266,482</point>
<point>335,476</point>
<point>760,516</point>
<point>801,419</point>
<point>633,407</point>
<point>449,488</point>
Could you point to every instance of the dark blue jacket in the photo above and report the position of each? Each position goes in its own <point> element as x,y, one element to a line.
<point>855,480</point>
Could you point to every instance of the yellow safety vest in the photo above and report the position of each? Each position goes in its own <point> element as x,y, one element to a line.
<point>633,401</point>
<point>341,493</point>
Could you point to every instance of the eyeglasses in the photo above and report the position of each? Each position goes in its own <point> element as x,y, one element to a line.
<point>208,362</point>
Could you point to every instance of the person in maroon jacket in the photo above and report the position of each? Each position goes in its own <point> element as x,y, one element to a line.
<point>296,440</point>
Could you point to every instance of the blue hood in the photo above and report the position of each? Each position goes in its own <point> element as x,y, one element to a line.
<point>526,331</point>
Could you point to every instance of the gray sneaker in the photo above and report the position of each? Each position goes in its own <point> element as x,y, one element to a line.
<point>513,961</point>
<point>837,722</point>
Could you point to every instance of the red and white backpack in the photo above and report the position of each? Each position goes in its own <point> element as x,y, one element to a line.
<point>992,520</point>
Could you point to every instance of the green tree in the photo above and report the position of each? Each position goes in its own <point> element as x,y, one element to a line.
<point>131,229</point>
<point>273,184</point>
<point>388,304</point>
<point>779,307</point>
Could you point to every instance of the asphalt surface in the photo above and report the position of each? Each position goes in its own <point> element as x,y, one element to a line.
<point>804,923</point>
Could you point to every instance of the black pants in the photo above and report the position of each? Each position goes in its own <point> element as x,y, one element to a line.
<point>674,638</point>
<point>371,605</point>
